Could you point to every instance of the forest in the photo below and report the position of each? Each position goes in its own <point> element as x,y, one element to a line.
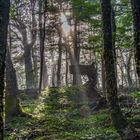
<point>69,69</point>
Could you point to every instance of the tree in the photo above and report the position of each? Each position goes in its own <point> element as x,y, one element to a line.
<point>26,28</point>
<point>76,48</point>
<point>59,58</point>
<point>42,34</point>
<point>12,106</point>
<point>136,23</point>
<point>4,19</point>
<point>120,123</point>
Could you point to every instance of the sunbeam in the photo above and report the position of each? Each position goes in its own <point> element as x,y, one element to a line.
<point>65,26</point>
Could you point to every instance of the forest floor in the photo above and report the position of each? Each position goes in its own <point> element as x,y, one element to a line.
<point>56,117</point>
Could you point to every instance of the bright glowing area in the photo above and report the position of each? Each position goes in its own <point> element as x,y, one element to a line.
<point>65,26</point>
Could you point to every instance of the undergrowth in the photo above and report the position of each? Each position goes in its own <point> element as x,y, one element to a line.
<point>56,116</point>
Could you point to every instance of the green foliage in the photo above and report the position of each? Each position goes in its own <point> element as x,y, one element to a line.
<point>90,12</point>
<point>136,95</point>
<point>124,2</point>
<point>124,25</point>
<point>52,8</point>
<point>13,12</point>
<point>84,10</point>
<point>57,117</point>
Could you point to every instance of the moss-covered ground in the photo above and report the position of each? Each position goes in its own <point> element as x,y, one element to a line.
<point>55,116</point>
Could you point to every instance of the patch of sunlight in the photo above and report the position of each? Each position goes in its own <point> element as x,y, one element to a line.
<point>65,26</point>
<point>45,92</point>
<point>39,110</point>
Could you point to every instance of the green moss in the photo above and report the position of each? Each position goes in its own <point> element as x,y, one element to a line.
<point>57,118</point>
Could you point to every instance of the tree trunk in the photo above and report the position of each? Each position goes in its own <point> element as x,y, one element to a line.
<point>59,60</point>
<point>119,121</point>
<point>45,76</point>
<point>12,106</point>
<point>28,45</point>
<point>29,72</point>
<point>35,65</point>
<point>128,69</point>
<point>28,67</point>
<point>136,23</point>
<point>67,69</point>
<point>4,19</point>
<point>42,35</point>
<point>103,77</point>
<point>76,54</point>
<point>53,70</point>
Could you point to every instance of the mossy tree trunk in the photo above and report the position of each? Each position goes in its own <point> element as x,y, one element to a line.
<point>12,106</point>
<point>119,121</point>
<point>136,23</point>
<point>4,19</point>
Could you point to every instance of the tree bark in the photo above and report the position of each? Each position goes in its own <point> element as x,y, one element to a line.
<point>12,106</point>
<point>4,19</point>
<point>103,76</point>
<point>136,23</point>
<point>59,59</point>
<point>76,53</point>
<point>28,67</point>
<point>119,121</point>
<point>35,65</point>
<point>42,35</point>
<point>67,69</point>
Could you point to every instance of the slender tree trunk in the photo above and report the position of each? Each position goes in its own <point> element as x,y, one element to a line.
<point>128,69</point>
<point>35,61</point>
<point>103,77</point>
<point>127,66</point>
<point>59,48</point>
<point>42,23</point>
<point>53,69</point>
<point>66,77</point>
<point>73,62</point>
<point>4,19</point>
<point>28,67</point>
<point>45,75</point>
<point>54,75</point>
<point>120,123</point>
<point>136,23</point>
<point>76,53</point>
<point>33,46</point>
<point>59,60</point>
<point>113,20</point>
